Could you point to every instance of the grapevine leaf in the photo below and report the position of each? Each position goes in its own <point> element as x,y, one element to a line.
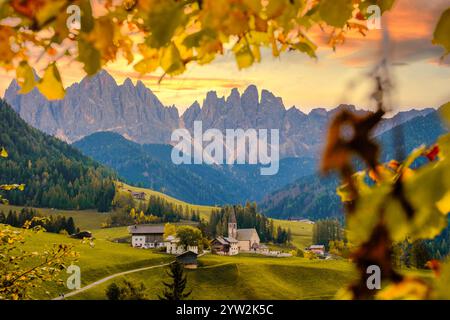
<point>307,47</point>
<point>87,20</point>
<point>336,12</point>
<point>89,56</point>
<point>164,18</point>
<point>25,78</point>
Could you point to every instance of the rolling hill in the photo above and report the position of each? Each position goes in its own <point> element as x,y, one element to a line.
<point>246,277</point>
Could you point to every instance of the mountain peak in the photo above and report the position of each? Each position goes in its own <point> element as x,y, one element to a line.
<point>250,97</point>
<point>102,79</point>
<point>128,83</point>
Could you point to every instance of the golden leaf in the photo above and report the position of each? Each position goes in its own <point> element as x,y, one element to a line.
<point>50,85</point>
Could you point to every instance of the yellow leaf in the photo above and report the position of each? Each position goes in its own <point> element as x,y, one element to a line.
<point>444,204</point>
<point>25,78</point>
<point>243,54</point>
<point>146,66</point>
<point>408,289</point>
<point>171,60</point>
<point>444,110</point>
<point>3,153</point>
<point>50,85</point>
<point>441,35</point>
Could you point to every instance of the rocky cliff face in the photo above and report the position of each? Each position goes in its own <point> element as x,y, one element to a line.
<point>100,104</point>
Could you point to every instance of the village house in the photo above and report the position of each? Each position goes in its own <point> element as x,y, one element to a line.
<point>317,249</point>
<point>238,240</point>
<point>225,246</point>
<point>138,195</point>
<point>173,246</point>
<point>147,236</point>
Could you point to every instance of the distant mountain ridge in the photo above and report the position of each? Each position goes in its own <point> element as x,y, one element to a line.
<point>150,165</point>
<point>99,104</point>
<point>315,196</point>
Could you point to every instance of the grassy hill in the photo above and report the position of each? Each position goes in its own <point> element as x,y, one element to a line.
<point>249,277</point>
<point>205,211</point>
<point>301,232</point>
<point>101,260</point>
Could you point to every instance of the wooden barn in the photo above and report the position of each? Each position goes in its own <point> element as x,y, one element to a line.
<point>188,259</point>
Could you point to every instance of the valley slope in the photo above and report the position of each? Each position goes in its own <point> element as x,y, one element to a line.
<point>55,174</point>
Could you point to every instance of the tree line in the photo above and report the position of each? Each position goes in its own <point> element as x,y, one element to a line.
<point>327,230</point>
<point>127,210</point>
<point>53,224</point>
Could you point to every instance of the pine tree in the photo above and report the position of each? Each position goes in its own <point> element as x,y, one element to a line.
<point>175,289</point>
<point>70,226</point>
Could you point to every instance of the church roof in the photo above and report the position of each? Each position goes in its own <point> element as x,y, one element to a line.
<point>246,234</point>
<point>226,240</point>
<point>146,229</point>
<point>230,240</point>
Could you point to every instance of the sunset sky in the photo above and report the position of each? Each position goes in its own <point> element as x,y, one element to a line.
<point>420,78</point>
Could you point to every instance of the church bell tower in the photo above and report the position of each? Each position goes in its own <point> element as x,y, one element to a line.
<point>232,225</point>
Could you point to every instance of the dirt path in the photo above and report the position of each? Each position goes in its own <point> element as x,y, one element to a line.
<point>96,283</point>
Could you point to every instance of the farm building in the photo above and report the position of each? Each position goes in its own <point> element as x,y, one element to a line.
<point>317,249</point>
<point>147,236</point>
<point>138,195</point>
<point>188,259</point>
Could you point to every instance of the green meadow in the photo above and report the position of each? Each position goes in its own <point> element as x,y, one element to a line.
<point>248,277</point>
<point>96,261</point>
<point>84,219</point>
<point>218,277</point>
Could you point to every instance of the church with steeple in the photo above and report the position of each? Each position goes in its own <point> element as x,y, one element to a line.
<point>237,240</point>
